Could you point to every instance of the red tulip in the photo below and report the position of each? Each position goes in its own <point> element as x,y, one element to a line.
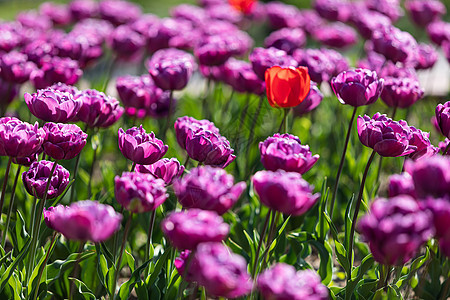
<point>244,6</point>
<point>287,87</point>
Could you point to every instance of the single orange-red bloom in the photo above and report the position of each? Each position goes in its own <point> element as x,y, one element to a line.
<point>244,6</point>
<point>287,87</point>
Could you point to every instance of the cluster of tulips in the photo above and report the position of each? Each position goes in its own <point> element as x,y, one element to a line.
<point>200,248</point>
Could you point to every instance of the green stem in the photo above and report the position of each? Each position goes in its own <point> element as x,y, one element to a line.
<point>33,214</point>
<point>273,226</point>
<point>119,260</point>
<point>133,166</point>
<point>394,112</point>
<point>41,270</point>
<point>115,240</point>
<point>205,108</point>
<point>341,164</point>
<point>75,172</point>
<point>37,225</point>
<point>261,239</point>
<point>11,205</point>
<point>5,184</point>
<point>76,269</point>
<point>169,115</point>
<point>241,123</point>
<point>384,277</point>
<point>149,240</point>
<point>94,158</point>
<point>283,124</point>
<point>109,73</point>
<point>356,212</point>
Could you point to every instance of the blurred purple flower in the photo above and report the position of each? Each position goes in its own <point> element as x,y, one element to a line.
<point>263,59</point>
<point>439,31</point>
<point>401,92</point>
<point>32,19</point>
<point>426,57</point>
<point>390,8</point>
<point>15,67</point>
<point>139,192</point>
<point>84,220</point>
<point>187,229</point>
<point>9,38</point>
<point>141,147</point>
<point>208,188</point>
<point>395,229</point>
<point>309,20</point>
<point>165,168</point>
<point>35,179</point>
<point>424,12</point>
<point>83,9</point>
<point>285,192</point>
<point>62,87</point>
<point>126,42</point>
<point>54,69</point>
<point>319,66</point>
<point>63,141</point>
<point>394,44</point>
<point>194,14</point>
<point>19,139</point>
<point>386,137</point>
<point>421,140</point>
<point>401,184</point>
<point>311,101</point>
<point>286,39</point>
<point>442,113</point>
<point>59,14</point>
<point>119,12</point>
<point>224,12</point>
<point>283,281</point>
<point>368,21</point>
<point>282,15</point>
<point>241,77</point>
<point>333,10</point>
<point>52,105</point>
<point>336,35</point>
<point>8,92</point>
<point>440,210</point>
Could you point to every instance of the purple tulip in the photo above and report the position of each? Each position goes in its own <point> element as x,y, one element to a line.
<point>442,113</point>
<point>9,38</point>
<point>395,229</point>
<point>63,141</point>
<point>443,147</point>
<point>55,69</point>
<point>35,179</point>
<point>336,35</point>
<point>309,20</point>
<point>83,9</point>
<point>431,176</point>
<point>84,221</point>
<point>286,39</point>
<point>185,124</point>
<point>209,148</point>
<point>421,140</point>
<point>38,49</point>
<point>439,32</point>
<point>180,264</point>
<point>15,67</point>
<point>368,21</point>
<point>194,14</point>
<point>84,47</point>
<point>318,63</point>
<point>141,147</point>
<point>333,10</point>
<point>357,87</point>
<point>220,271</point>
<point>165,168</point>
<point>338,62</point>
<point>282,15</point>
<point>119,12</point>
<point>283,281</point>
<point>59,14</point>
<point>99,29</point>
<point>401,184</point>
<point>139,192</point>
<point>187,229</point>
<point>171,69</point>
<point>26,161</point>
<point>394,44</point>
<point>401,92</point>
<point>389,8</point>
<point>208,188</point>
<point>126,42</point>
<point>241,77</point>
<point>397,71</point>
<point>145,25</point>
<point>52,105</point>
<point>263,59</point>
<point>224,12</point>
<point>426,57</point>
<point>32,19</point>
<point>311,101</point>
<point>424,12</point>
<point>285,152</point>
<point>386,137</point>
<point>98,109</point>
<point>160,34</point>
<point>286,192</point>
<point>62,87</point>
<point>440,210</point>
<point>19,139</point>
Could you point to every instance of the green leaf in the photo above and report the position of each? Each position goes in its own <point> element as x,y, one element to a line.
<point>157,269</point>
<point>10,270</point>
<point>102,265</point>
<point>83,290</point>
<point>341,255</point>
<point>321,225</point>
<point>56,269</point>
<point>326,260</point>
<point>129,260</point>
<point>127,287</point>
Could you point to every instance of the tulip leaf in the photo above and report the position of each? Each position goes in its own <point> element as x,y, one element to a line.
<point>127,287</point>
<point>83,290</point>
<point>151,279</point>
<point>11,268</point>
<point>326,260</point>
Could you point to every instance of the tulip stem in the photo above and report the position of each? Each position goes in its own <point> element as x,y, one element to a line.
<point>75,172</point>
<point>94,158</point>
<point>384,277</point>
<point>5,184</point>
<point>356,212</point>
<point>41,270</point>
<point>133,166</point>
<point>149,240</point>
<point>111,67</point>
<point>205,110</point>
<point>270,238</point>
<point>241,122</point>
<point>76,269</point>
<point>11,204</point>
<point>283,124</point>
<point>394,112</point>
<point>119,260</point>
<point>261,240</point>
<point>169,114</point>
<point>37,225</point>
<point>341,164</point>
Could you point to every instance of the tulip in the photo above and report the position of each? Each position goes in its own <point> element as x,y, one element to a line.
<point>187,229</point>
<point>241,77</point>
<point>220,271</point>
<point>196,15</point>
<point>421,140</point>
<point>83,9</point>
<point>367,21</point>
<point>426,57</point>
<point>126,42</point>
<point>63,141</point>
<point>165,169</point>
<point>282,15</point>
<point>181,263</point>
<point>285,152</point>
<point>84,221</point>
<point>446,49</point>
<point>443,118</point>
<point>62,87</point>
<point>244,6</point>
<point>335,35</point>
<point>55,69</point>
<point>318,64</point>
<point>33,20</point>
<point>262,59</point>
<point>287,87</point>
<point>19,139</point>
<point>424,12</point>
<point>208,188</point>
<point>333,10</point>
<point>438,31</point>
<point>286,39</point>
<point>15,67</point>
<point>401,184</point>
<point>309,20</point>
<point>36,50</point>
<point>285,192</point>
<point>52,105</point>
<point>141,147</point>
<point>311,101</point>
<point>389,8</point>
<point>98,109</point>
<point>119,12</point>
<point>138,192</point>
<point>35,179</point>
<point>163,30</point>
<point>9,38</point>
<point>58,14</point>
<point>185,124</point>
<point>225,12</point>
<point>401,92</point>
<point>440,210</point>
<point>395,229</point>
<point>282,281</point>
<point>8,92</point>
<point>209,148</point>
<point>394,44</point>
